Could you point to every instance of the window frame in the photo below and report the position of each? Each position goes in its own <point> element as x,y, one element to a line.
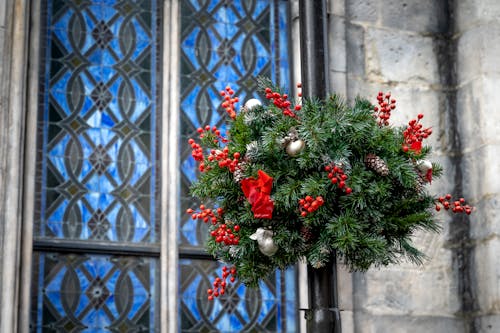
<point>169,164</point>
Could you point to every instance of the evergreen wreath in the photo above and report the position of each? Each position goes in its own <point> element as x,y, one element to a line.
<point>301,180</point>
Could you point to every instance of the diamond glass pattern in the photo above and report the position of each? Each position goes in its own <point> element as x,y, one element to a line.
<point>99,98</point>
<point>94,293</point>
<point>97,163</point>
<point>270,308</point>
<point>227,42</point>
<point>224,42</point>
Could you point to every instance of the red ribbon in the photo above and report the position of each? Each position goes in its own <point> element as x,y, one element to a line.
<point>258,193</point>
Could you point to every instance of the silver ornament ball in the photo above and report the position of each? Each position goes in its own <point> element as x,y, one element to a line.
<point>295,147</point>
<point>252,103</point>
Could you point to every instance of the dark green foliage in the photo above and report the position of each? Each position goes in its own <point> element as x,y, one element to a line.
<point>370,227</point>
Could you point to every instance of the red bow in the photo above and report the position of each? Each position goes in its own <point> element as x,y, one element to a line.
<point>258,193</point>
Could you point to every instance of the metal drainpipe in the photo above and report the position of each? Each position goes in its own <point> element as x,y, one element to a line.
<point>323,314</point>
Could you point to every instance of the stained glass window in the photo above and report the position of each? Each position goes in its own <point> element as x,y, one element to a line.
<point>97,182</point>
<point>227,42</point>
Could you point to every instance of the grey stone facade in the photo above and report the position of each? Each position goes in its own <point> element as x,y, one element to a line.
<point>436,57</point>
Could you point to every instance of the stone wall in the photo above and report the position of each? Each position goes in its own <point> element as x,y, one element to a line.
<point>438,58</point>
<point>477,35</point>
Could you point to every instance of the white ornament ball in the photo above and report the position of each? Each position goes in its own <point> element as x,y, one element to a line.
<point>265,241</point>
<point>295,147</point>
<point>252,103</point>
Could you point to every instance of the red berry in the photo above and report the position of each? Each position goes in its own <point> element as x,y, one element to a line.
<point>438,208</point>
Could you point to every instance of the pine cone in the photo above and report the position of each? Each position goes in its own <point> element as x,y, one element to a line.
<point>377,164</point>
<point>421,181</point>
<point>306,233</point>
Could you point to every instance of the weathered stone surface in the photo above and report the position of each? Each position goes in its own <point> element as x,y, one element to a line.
<point>336,7</point>
<point>407,290</point>
<point>485,218</point>
<point>338,83</point>
<point>395,56</point>
<point>426,16</point>
<point>337,44</point>
<point>355,49</point>
<point>483,42</point>
<point>407,324</point>
<point>486,272</point>
<point>362,10</point>
<point>488,324</point>
<point>481,170</point>
<point>470,13</point>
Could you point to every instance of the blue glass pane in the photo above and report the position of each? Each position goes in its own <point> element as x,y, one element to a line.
<point>225,43</point>
<point>270,308</point>
<point>93,293</point>
<point>98,121</point>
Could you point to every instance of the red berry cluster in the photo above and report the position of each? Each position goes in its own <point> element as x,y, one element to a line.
<point>205,214</point>
<point>309,204</point>
<point>282,102</point>
<point>229,101</point>
<point>383,111</point>
<point>220,284</point>
<point>414,134</point>
<point>224,234</point>
<point>222,156</point>
<point>338,177</point>
<point>457,206</point>
<point>197,150</point>
<point>217,136</point>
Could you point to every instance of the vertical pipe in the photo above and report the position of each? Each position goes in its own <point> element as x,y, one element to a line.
<point>323,315</point>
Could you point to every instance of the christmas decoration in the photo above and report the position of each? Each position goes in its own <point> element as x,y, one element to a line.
<point>265,240</point>
<point>301,179</point>
<point>425,167</point>
<point>293,148</point>
<point>374,162</point>
<point>251,104</point>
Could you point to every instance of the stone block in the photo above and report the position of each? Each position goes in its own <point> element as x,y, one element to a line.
<point>481,170</point>
<point>347,321</point>
<point>478,121</point>
<point>477,52</point>
<point>338,82</point>
<point>336,7</point>
<point>485,220</point>
<point>486,275</point>
<point>337,43</point>
<point>407,324</point>
<point>415,15</point>
<point>487,324</point>
<point>402,291</point>
<point>400,57</point>
<point>355,49</point>
<point>362,10</point>
<point>474,12</point>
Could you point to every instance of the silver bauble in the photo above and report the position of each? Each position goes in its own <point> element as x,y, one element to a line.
<point>265,240</point>
<point>293,148</point>
<point>252,103</point>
